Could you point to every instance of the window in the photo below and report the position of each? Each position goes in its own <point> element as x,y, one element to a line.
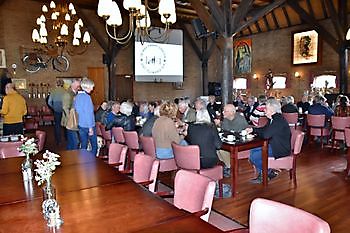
<point>320,81</point>
<point>280,82</point>
<point>240,83</point>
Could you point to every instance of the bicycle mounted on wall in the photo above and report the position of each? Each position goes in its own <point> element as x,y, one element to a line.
<point>34,59</point>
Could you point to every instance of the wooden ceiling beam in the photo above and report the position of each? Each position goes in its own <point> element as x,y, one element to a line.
<point>343,19</point>
<point>275,19</point>
<point>217,14</point>
<point>309,7</point>
<point>287,16</point>
<point>259,14</point>
<point>324,9</point>
<point>240,13</point>
<point>335,20</point>
<point>326,36</point>
<point>267,25</point>
<point>226,8</point>
<point>257,26</point>
<point>204,15</point>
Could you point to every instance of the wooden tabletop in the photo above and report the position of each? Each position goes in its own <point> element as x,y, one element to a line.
<point>93,198</point>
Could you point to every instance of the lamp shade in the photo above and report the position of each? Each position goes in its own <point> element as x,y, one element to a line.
<point>86,38</point>
<point>43,40</point>
<point>73,12</point>
<point>67,17</point>
<point>42,31</point>
<point>104,8</point>
<point>115,19</point>
<point>166,7</point>
<point>42,18</point>
<point>64,30</point>
<point>132,4</point>
<point>53,16</point>
<point>44,9</point>
<point>348,35</point>
<point>52,4</point>
<point>70,6</point>
<point>77,33</point>
<point>76,42</point>
<point>35,35</point>
<point>80,22</point>
<point>171,19</point>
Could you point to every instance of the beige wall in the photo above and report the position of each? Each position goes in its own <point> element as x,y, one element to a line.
<point>17,21</point>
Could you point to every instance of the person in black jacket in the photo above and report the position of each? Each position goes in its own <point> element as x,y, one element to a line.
<point>204,134</point>
<point>289,107</point>
<point>123,119</point>
<point>277,131</point>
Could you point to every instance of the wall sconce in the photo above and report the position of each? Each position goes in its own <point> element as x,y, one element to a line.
<point>255,76</point>
<point>297,75</point>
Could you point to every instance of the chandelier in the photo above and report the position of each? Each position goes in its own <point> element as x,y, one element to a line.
<point>59,29</point>
<point>139,19</point>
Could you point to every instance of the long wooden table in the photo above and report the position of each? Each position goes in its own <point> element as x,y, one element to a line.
<point>93,198</point>
<point>247,144</point>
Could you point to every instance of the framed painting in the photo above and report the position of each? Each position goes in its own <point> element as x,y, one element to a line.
<point>305,47</point>
<point>242,56</point>
<point>2,58</point>
<point>20,84</point>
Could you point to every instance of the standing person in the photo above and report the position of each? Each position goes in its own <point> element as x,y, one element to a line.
<point>67,104</point>
<point>278,132</point>
<point>86,117</point>
<point>55,102</point>
<point>13,109</point>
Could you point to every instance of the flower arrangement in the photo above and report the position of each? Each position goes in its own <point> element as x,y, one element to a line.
<point>45,167</point>
<point>29,147</point>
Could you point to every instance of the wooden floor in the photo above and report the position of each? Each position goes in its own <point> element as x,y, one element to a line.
<point>320,190</point>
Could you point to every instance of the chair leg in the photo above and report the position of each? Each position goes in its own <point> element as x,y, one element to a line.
<point>220,188</point>
<point>348,163</point>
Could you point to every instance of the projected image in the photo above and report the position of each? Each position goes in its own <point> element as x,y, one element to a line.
<point>160,62</point>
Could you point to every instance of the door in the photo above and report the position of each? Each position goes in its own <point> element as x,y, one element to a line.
<point>124,87</point>
<point>97,74</point>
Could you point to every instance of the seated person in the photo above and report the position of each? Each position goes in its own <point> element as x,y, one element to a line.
<point>213,108</point>
<point>343,109</point>
<point>148,125</point>
<point>204,134</point>
<point>320,107</point>
<point>259,111</point>
<point>289,107</point>
<point>233,121</point>
<point>250,107</point>
<point>304,104</point>
<point>100,111</point>
<point>189,114</point>
<point>151,106</point>
<point>278,132</point>
<point>165,132</point>
<point>123,119</point>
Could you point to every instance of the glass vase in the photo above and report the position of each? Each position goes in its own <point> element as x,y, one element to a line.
<point>27,169</point>
<point>49,191</point>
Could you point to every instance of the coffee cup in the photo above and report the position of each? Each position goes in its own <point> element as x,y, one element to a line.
<point>244,133</point>
<point>230,137</point>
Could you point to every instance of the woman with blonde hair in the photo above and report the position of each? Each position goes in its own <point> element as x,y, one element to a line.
<point>165,132</point>
<point>86,117</point>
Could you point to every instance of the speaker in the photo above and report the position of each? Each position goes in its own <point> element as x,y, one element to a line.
<point>105,59</point>
<point>199,28</point>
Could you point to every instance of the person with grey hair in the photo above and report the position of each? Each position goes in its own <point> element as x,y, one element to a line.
<point>189,114</point>
<point>122,119</point>
<point>148,125</point>
<point>320,107</point>
<point>204,134</point>
<point>289,107</point>
<point>86,118</point>
<point>278,132</point>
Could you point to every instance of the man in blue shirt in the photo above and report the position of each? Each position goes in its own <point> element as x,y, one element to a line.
<point>320,107</point>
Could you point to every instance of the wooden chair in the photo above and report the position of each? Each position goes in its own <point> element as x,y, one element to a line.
<point>132,141</point>
<point>338,126</point>
<point>292,119</point>
<point>117,155</point>
<point>146,171</point>
<point>316,126</point>
<point>118,135</point>
<point>41,136</point>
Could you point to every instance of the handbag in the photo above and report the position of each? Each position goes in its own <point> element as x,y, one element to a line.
<point>72,121</point>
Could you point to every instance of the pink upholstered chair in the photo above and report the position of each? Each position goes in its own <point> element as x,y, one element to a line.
<point>117,155</point>
<point>149,148</point>
<point>194,192</point>
<point>118,135</point>
<point>289,162</point>
<point>146,171</point>
<point>47,115</point>
<point>262,121</point>
<point>188,158</point>
<point>316,124</point>
<point>338,126</point>
<point>291,118</point>
<point>132,141</point>
<point>41,136</point>
<point>273,217</point>
<point>106,134</point>
<point>347,140</point>
<point>98,129</point>
<point>9,149</point>
<point>34,112</point>
<point>30,124</point>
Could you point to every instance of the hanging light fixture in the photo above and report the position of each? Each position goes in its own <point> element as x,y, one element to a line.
<point>139,19</point>
<point>59,28</point>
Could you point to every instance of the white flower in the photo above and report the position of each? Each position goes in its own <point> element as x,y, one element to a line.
<point>29,147</point>
<point>45,168</point>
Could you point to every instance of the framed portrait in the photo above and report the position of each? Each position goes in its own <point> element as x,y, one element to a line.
<point>242,57</point>
<point>2,58</point>
<point>305,47</point>
<point>20,84</point>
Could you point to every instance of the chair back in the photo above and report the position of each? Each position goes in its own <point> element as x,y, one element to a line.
<point>186,157</point>
<point>291,118</point>
<point>98,128</point>
<point>273,217</point>
<point>118,135</point>
<point>262,121</point>
<point>193,192</point>
<point>316,120</point>
<point>148,145</point>
<point>106,134</point>
<point>45,110</point>
<point>117,154</point>
<point>347,136</point>
<point>9,149</point>
<point>131,139</point>
<point>297,141</point>
<point>146,169</point>
<point>41,135</point>
<point>32,110</point>
<point>340,123</point>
